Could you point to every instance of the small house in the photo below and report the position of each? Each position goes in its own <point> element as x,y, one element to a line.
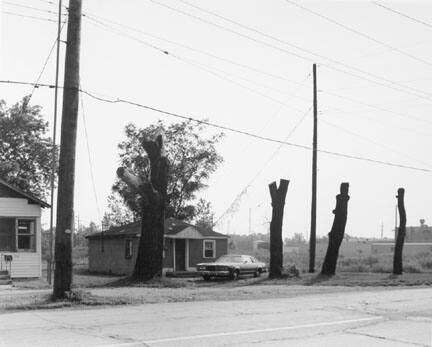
<point>20,232</point>
<point>115,250</point>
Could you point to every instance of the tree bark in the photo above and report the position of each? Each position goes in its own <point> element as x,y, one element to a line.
<point>397,259</point>
<point>276,246</point>
<point>337,231</point>
<point>153,192</point>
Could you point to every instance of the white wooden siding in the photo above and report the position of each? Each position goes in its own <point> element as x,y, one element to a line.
<point>24,264</point>
<point>17,207</point>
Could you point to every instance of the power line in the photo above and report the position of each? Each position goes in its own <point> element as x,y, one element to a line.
<point>89,157</point>
<point>419,21</point>
<point>359,33</point>
<point>379,108</point>
<point>30,17</point>
<point>46,62</point>
<point>414,92</point>
<point>32,8</point>
<point>227,128</point>
<point>202,67</point>
<point>352,133</point>
<point>208,70</point>
<point>236,201</point>
<point>193,49</point>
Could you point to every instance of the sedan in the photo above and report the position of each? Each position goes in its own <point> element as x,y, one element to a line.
<point>231,266</point>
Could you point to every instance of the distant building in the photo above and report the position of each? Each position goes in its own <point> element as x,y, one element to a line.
<point>115,250</point>
<point>421,233</point>
<point>418,239</point>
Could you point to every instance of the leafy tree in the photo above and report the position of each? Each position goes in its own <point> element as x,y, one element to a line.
<point>204,215</point>
<point>118,213</point>
<point>25,151</point>
<point>192,157</point>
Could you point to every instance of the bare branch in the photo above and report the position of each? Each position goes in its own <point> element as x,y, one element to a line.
<point>133,182</point>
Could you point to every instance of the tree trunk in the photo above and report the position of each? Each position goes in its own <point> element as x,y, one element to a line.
<point>336,234</point>
<point>276,246</point>
<point>153,192</point>
<point>397,259</point>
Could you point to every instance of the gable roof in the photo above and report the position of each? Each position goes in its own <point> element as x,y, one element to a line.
<point>174,228</point>
<point>28,196</point>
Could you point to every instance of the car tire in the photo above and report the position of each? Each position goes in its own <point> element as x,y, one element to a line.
<point>206,278</point>
<point>235,275</point>
<point>257,273</point>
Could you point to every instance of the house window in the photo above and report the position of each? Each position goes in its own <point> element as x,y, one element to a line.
<point>128,249</point>
<point>26,235</point>
<point>209,249</point>
<point>7,235</point>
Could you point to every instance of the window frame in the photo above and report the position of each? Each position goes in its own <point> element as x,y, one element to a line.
<point>30,235</point>
<point>128,255</point>
<point>213,242</point>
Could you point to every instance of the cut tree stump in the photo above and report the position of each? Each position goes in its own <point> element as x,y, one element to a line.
<point>152,188</point>
<point>400,238</point>
<point>337,232</point>
<point>276,246</point>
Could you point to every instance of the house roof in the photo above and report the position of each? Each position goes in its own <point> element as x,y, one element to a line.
<point>173,228</point>
<point>29,196</point>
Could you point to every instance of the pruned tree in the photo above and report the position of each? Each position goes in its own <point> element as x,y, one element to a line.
<point>276,245</point>
<point>191,151</point>
<point>400,238</point>
<point>151,186</point>
<point>336,234</point>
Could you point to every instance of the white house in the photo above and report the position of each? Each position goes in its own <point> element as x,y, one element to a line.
<point>20,232</point>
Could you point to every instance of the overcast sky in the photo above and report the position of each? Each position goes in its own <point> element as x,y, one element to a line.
<point>374,100</point>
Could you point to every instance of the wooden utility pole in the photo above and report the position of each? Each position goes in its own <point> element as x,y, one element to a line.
<point>54,149</point>
<point>276,245</point>
<point>65,196</point>
<point>400,236</point>
<point>312,238</point>
<point>337,232</point>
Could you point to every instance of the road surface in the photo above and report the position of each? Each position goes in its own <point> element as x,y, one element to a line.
<point>376,317</point>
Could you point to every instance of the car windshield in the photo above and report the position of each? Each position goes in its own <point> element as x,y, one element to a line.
<point>230,259</point>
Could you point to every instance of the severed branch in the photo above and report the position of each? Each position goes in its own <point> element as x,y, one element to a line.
<point>139,185</point>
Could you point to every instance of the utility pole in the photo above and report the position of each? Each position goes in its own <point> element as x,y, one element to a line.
<point>53,152</point>
<point>250,220</point>
<point>382,230</point>
<point>312,238</point>
<point>65,196</point>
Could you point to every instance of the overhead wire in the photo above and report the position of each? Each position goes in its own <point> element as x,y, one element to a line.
<point>391,84</point>
<point>419,21</point>
<point>209,70</point>
<point>89,155</point>
<point>202,67</point>
<point>236,201</point>
<point>359,33</point>
<point>32,8</point>
<point>29,17</point>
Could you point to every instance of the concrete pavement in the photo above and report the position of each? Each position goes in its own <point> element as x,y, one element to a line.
<point>394,317</point>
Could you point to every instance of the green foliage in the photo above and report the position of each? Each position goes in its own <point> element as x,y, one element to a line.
<point>192,158</point>
<point>25,151</point>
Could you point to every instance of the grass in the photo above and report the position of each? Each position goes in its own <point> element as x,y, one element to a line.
<point>122,291</point>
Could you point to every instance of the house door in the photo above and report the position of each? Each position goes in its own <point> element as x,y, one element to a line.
<point>180,255</point>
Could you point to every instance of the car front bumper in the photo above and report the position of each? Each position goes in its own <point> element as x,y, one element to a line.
<point>215,273</point>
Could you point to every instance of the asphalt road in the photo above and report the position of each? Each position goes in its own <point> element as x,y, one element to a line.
<point>380,317</point>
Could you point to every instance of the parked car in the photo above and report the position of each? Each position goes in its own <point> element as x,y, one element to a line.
<point>231,266</point>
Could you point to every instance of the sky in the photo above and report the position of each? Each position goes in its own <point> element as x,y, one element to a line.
<point>247,65</point>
